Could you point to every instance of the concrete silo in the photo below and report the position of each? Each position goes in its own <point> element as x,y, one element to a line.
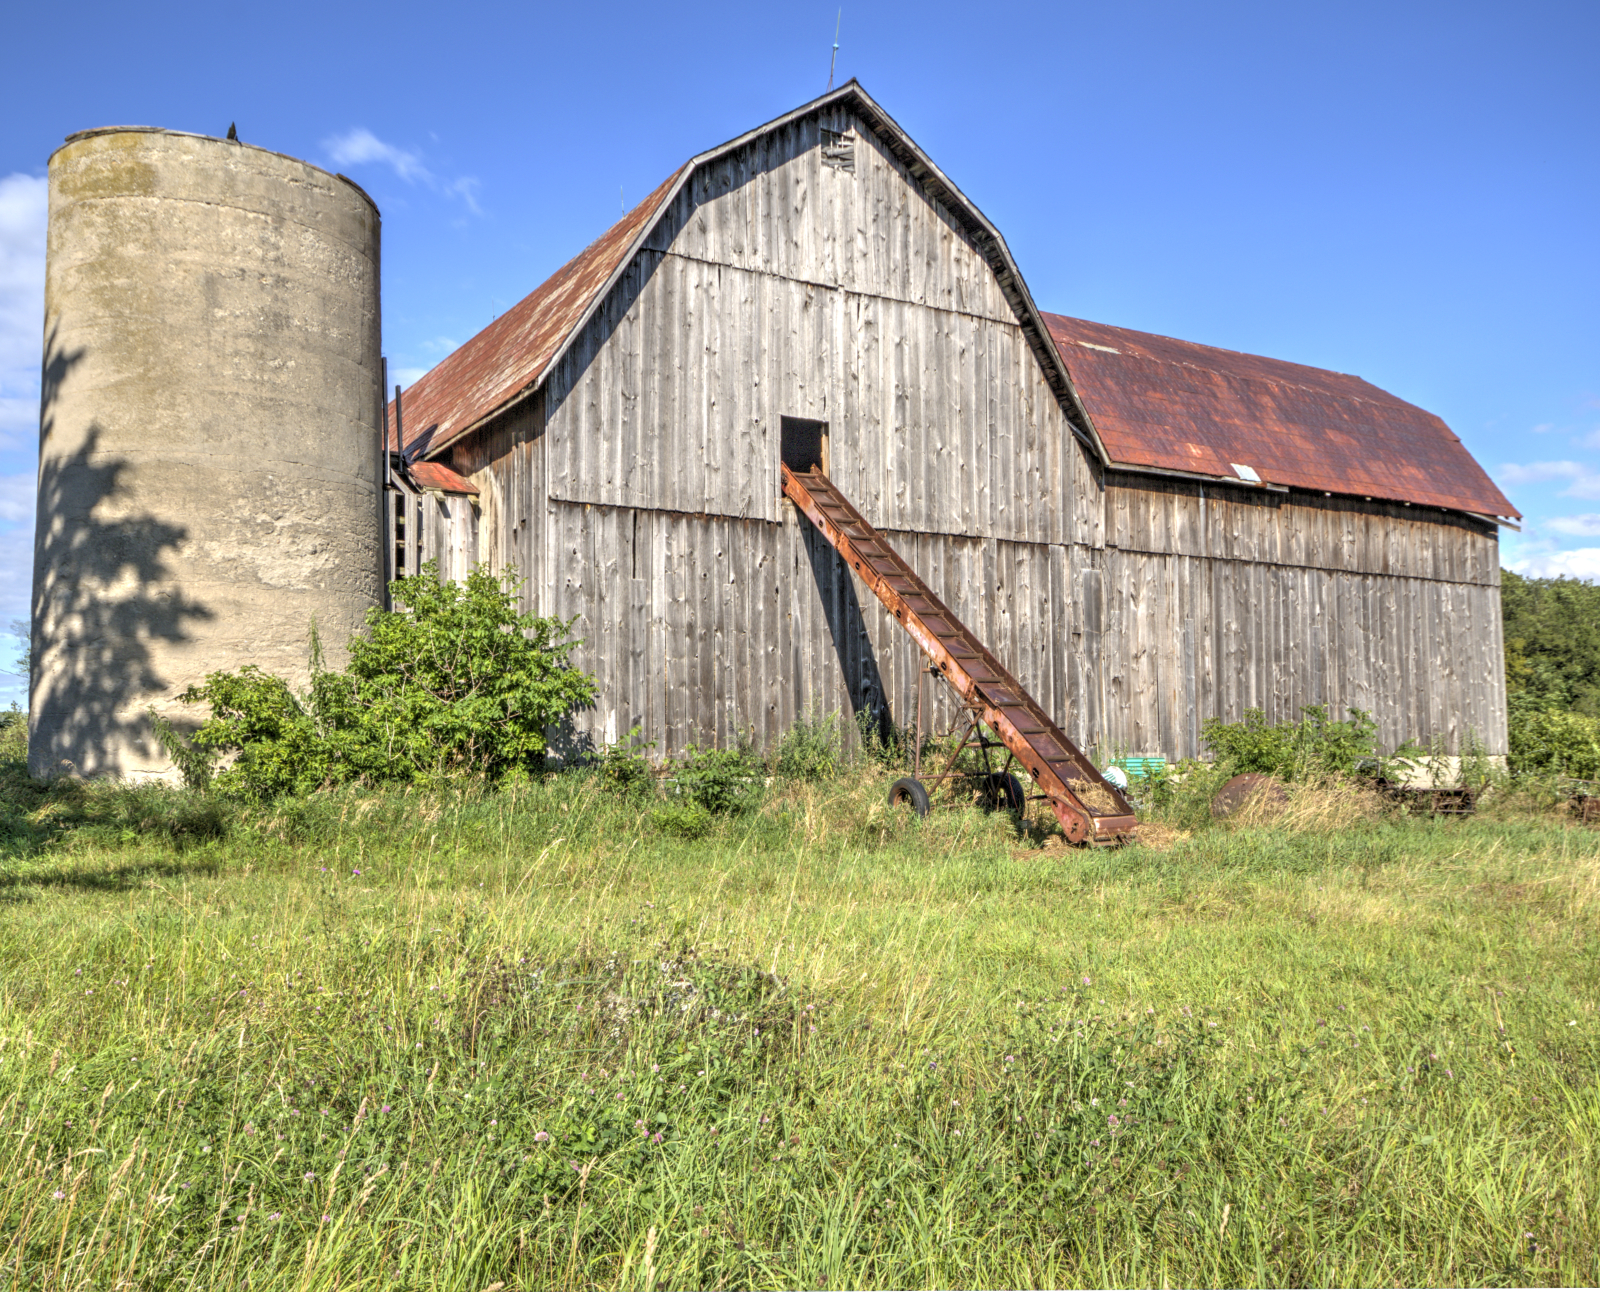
<point>209,471</point>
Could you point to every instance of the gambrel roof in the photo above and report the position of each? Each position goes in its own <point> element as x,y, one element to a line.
<point>1140,402</point>
<point>1198,410</point>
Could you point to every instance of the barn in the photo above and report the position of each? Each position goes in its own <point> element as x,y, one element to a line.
<point>1147,532</point>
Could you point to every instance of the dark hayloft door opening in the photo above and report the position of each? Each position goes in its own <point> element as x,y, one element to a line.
<point>805,444</point>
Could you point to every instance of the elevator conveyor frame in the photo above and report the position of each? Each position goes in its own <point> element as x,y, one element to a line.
<point>990,694</point>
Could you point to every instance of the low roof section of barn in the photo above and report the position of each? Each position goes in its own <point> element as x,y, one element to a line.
<point>1176,406</point>
<point>1141,402</point>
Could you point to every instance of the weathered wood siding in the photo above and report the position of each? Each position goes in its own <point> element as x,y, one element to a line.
<point>703,628</point>
<point>1219,599</point>
<point>777,286</point>
<point>639,493</point>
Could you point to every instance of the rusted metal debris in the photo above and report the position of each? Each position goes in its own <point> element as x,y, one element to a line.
<point>1088,806</point>
<point>435,475</point>
<point>1178,406</point>
<point>1266,789</point>
<point>1429,802</point>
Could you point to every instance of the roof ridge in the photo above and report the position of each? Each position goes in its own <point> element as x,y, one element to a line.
<point>1243,354</point>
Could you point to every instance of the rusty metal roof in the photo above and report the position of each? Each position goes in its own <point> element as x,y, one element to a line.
<point>435,475</point>
<point>1179,406</point>
<point>1141,401</point>
<point>510,355</point>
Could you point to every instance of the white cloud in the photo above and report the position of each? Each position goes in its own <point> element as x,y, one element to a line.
<point>360,146</point>
<point>1585,526</point>
<point>23,209</point>
<point>17,496</point>
<point>1516,473</point>
<point>1585,479</point>
<point>407,377</point>
<point>19,414</point>
<point>1579,563</point>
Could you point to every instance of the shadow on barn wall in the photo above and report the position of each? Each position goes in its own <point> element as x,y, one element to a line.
<point>104,604</point>
<point>847,626</point>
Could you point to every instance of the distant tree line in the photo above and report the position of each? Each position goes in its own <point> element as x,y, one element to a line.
<point>1552,634</point>
<point>1552,638</point>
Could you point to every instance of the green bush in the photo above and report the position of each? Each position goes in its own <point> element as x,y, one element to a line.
<point>624,767</point>
<point>14,735</point>
<point>454,680</point>
<point>812,749</point>
<point>1316,746</point>
<point>722,781</point>
<point>1567,744</point>
<point>687,820</point>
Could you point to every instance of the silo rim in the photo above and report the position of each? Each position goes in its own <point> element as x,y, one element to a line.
<point>76,135</point>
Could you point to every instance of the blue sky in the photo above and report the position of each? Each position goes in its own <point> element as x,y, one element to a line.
<point>1405,191</point>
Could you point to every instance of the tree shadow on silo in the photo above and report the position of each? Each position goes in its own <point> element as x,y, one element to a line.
<point>847,627</point>
<point>103,597</point>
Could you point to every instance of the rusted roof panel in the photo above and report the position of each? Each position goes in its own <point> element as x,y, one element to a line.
<point>507,356</point>
<point>1179,406</point>
<point>435,475</point>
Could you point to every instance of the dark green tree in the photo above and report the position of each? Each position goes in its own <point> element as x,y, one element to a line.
<point>1552,636</point>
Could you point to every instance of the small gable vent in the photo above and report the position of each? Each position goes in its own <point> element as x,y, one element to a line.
<point>839,150</point>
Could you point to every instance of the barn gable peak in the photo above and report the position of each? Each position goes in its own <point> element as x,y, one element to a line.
<point>513,357</point>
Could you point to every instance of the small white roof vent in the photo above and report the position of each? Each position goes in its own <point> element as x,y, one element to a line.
<point>1245,473</point>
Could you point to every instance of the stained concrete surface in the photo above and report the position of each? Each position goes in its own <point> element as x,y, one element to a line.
<point>209,472</point>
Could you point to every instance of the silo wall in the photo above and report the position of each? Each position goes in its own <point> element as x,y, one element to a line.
<point>208,468</point>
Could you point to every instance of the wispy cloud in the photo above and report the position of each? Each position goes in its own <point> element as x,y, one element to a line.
<point>360,147</point>
<point>1579,563</point>
<point>1517,473</point>
<point>1585,479</point>
<point>1584,526</point>
<point>23,210</point>
<point>17,494</point>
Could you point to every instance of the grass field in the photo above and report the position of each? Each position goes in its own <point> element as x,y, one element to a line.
<point>527,1039</point>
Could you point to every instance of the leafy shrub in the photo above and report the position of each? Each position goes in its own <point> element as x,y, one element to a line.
<point>624,767</point>
<point>1153,786</point>
<point>685,820</point>
<point>454,680</point>
<point>13,735</point>
<point>722,781</point>
<point>812,749</point>
<point>1316,746</point>
<point>1566,744</point>
<point>881,741</point>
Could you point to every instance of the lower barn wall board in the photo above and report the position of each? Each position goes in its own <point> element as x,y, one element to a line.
<point>702,630</point>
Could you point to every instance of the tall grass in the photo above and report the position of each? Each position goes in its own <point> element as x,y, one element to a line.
<point>529,1038</point>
